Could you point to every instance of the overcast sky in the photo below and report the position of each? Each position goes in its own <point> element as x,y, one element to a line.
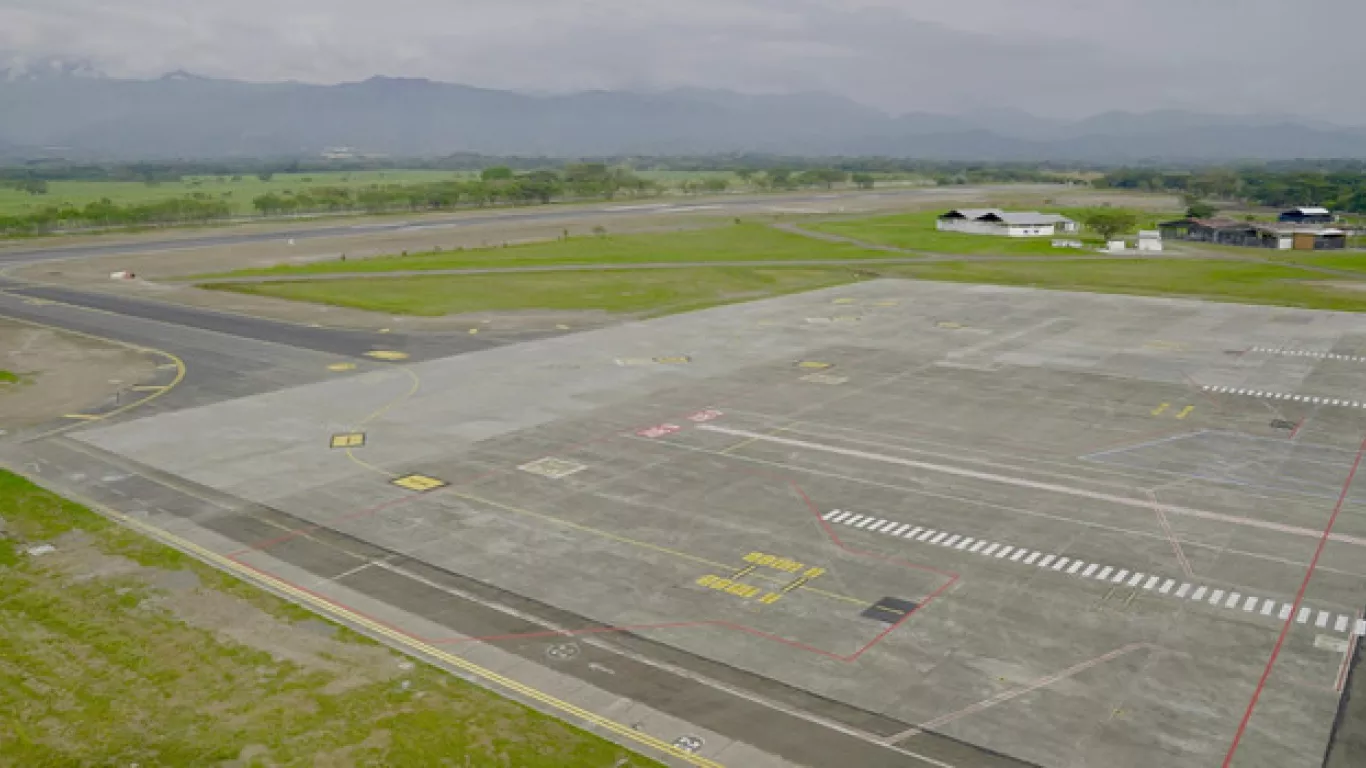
<point>1051,57</point>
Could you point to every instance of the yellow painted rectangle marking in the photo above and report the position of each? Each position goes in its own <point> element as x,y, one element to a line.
<point>673,360</point>
<point>843,301</point>
<point>1159,410</point>
<point>770,598</point>
<point>1185,412</point>
<point>348,440</point>
<point>814,365</point>
<point>82,416</point>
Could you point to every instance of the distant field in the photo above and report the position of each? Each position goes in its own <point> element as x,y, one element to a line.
<point>238,193</point>
<point>115,650</point>
<point>731,242</point>
<point>916,231</point>
<point>647,292</point>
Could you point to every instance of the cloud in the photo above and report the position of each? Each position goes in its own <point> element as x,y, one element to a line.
<point>1064,57</point>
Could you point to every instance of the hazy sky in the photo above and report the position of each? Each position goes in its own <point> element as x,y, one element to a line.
<point>1054,57</point>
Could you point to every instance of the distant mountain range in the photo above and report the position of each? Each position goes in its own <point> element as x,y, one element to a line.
<point>74,111</point>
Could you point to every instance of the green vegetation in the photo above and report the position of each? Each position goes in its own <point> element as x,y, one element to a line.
<point>1109,222</point>
<point>100,666</point>
<point>737,242</point>
<point>650,292</point>
<point>236,191</point>
<point>200,200</point>
<point>8,377</point>
<point>1203,279</point>
<point>1336,184</point>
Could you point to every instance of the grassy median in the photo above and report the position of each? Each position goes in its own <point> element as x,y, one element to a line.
<point>648,292</point>
<point>730,242</point>
<point>1202,279</point>
<point>115,650</point>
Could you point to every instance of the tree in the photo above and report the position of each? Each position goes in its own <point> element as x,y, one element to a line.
<point>715,183</point>
<point>1199,209</point>
<point>779,178</point>
<point>863,180</point>
<point>496,173</point>
<point>33,186</point>
<point>1108,222</point>
<point>265,175</point>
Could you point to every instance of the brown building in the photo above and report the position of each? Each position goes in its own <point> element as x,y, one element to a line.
<point>1283,236</point>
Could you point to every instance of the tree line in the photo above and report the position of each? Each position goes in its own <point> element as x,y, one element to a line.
<point>1340,187</point>
<point>104,213</point>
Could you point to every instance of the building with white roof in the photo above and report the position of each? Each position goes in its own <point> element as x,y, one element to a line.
<point>994,221</point>
<point>1308,214</point>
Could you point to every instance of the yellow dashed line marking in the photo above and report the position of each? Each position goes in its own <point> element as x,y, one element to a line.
<point>82,416</point>
<point>386,354</point>
<point>1185,412</point>
<point>1159,410</point>
<point>342,367</point>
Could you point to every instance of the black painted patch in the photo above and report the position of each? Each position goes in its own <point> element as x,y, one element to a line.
<point>1282,424</point>
<point>889,610</point>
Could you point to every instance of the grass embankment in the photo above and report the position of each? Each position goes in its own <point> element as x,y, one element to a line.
<point>733,242</point>
<point>647,292</point>
<point>8,377</point>
<point>916,231</point>
<point>99,667</point>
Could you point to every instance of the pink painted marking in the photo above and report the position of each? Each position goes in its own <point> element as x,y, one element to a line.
<point>660,430</point>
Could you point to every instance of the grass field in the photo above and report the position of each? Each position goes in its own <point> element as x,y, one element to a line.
<point>8,377</point>
<point>115,650</point>
<point>916,231</point>
<point>1216,280</point>
<point>733,242</point>
<point>645,292</point>
<point>238,193</point>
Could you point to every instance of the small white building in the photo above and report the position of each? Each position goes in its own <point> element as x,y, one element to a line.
<point>994,221</point>
<point>1150,240</point>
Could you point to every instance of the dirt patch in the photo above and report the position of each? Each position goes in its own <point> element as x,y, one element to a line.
<point>61,373</point>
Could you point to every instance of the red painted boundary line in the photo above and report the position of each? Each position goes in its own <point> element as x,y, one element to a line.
<point>1298,426</point>
<point>1299,599</point>
<point>951,578</point>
